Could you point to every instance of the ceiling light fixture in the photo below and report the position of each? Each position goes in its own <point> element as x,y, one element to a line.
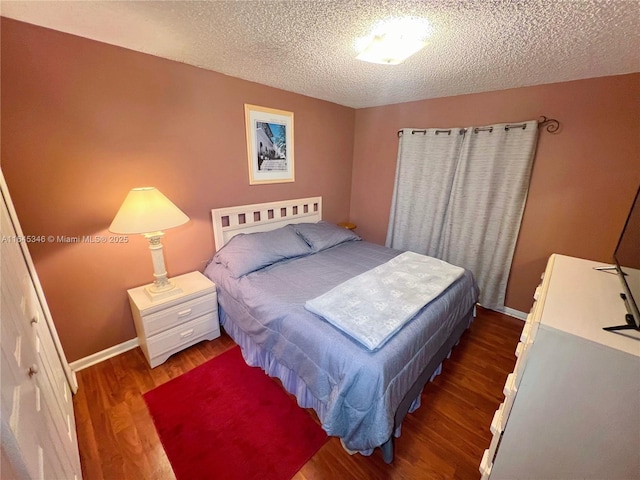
<point>393,41</point>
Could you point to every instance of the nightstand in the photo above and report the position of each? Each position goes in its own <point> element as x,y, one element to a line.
<point>174,323</point>
<point>348,225</point>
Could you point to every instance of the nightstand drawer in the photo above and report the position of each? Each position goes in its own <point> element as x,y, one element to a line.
<point>178,315</point>
<point>182,335</point>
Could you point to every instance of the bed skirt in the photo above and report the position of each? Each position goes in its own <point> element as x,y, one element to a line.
<point>256,356</point>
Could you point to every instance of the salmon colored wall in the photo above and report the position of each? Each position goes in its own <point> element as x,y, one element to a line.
<point>84,122</point>
<point>584,178</point>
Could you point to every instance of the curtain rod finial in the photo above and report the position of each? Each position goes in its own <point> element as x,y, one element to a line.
<point>551,125</point>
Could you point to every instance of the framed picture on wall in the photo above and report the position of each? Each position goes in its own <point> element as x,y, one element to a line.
<point>269,144</point>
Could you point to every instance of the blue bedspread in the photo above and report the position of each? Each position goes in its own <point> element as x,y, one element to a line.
<point>355,392</point>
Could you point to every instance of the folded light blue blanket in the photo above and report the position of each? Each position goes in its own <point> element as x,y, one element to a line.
<point>373,306</point>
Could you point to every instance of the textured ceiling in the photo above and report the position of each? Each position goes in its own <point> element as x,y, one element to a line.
<point>308,47</point>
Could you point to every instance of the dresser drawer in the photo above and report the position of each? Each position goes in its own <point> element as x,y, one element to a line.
<point>497,427</point>
<point>510,390</point>
<point>529,332</point>
<point>499,420</point>
<point>522,352</point>
<point>184,334</point>
<point>486,465</point>
<point>178,315</point>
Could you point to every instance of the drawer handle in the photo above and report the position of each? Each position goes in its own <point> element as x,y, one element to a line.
<point>32,370</point>
<point>186,334</point>
<point>34,319</point>
<point>526,331</point>
<point>184,313</point>
<point>510,385</point>
<point>485,464</point>
<point>536,294</point>
<point>519,349</point>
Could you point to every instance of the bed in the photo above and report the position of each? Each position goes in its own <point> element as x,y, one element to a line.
<point>265,278</point>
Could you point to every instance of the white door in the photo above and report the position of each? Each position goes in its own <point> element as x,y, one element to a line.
<point>21,392</point>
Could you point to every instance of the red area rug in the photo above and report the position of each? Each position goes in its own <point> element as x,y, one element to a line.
<point>226,420</point>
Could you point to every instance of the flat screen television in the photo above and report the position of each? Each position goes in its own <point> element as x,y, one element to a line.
<point>627,264</point>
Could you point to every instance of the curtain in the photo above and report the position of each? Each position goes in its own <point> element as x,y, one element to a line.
<point>427,161</point>
<point>464,204</point>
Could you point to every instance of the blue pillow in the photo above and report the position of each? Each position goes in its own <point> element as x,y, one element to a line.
<point>246,253</point>
<point>323,235</point>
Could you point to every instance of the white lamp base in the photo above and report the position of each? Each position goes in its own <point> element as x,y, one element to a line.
<point>157,293</point>
<point>162,287</point>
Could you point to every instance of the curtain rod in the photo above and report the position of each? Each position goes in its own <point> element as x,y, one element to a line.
<point>551,125</point>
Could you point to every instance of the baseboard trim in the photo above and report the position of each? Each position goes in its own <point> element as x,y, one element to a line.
<point>512,313</point>
<point>133,343</point>
<point>104,354</point>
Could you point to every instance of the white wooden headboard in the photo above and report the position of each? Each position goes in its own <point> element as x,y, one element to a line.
<point>262,217</point>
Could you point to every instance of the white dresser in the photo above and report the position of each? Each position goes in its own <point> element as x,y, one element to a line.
<point>38,424</point>
<point>572,403</point>
<point>174,323</point>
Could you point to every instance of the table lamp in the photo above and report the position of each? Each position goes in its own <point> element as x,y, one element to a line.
<point>147,211</point>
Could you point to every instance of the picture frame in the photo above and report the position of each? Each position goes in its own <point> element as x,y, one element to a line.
<point>269,145</point>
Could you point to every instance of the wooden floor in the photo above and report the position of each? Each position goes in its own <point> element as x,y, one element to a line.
<point>444,439</point>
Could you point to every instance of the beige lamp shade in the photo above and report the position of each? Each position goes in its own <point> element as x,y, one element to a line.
<point>146,210</point>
